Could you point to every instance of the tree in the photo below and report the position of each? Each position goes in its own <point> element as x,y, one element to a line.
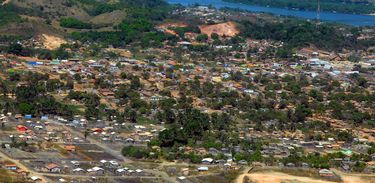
<point>15,49</point>
<point>301,113</point>
<point>214,36</point>
<point>202,37</point>
<point>135,83</point>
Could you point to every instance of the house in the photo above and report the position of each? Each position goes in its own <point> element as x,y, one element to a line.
<point>78,170</point>
<point>96,170</point>
<point>21,128</point>
<point>35,178</point>
<point>242,162</point>
<point>75,163</point>
<point>120,171</point>
<point>326,173</point>
<point>181,178</point>
<point>98,130</point>
<point>202,168</point>
<point>70,148</point>
<point>18,116</point>
<point>10,166</point>
<point>207,160</point>
<point>107,93</point>
<point>52,167</point>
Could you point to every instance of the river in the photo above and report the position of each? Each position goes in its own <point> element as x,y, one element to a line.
<point>348,19</point>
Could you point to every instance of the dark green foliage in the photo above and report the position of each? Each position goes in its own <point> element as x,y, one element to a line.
<point>202,37</point>
<point>74,23</point>
<point>34,100</point>
<point>298,34</point>
<point>194,125</point>
<point>8,15</point>
<point>315,160</point>
<point>135,152</point>
<point>137,28</point>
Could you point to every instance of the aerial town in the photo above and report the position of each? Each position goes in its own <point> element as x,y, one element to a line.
<point>205,102</point>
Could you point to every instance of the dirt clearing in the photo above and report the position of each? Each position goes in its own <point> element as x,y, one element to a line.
<point>278,177</point>
<point>223,29</point>
<point>51,42</point>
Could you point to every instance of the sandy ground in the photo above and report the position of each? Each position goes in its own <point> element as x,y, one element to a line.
<point>51,42</point>
<point>223,29</point>
<point>277,177</point>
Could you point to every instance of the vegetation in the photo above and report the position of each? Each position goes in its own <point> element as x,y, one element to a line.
<point>33,99</point>
<point>296,33</point>
<point>137,28</point>
<point>8,15</point>
<point>74,23</point>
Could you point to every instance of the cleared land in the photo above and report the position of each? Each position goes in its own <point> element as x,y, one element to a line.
<point>271,176</point>
<point>223,29</point>
<point>51,42</point>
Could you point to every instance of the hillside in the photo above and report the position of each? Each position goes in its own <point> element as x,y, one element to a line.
<point>62,17</point>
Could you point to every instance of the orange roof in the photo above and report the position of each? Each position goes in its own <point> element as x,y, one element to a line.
<point>51,166</point>
<point>70,148</point>
<point>10,165</point>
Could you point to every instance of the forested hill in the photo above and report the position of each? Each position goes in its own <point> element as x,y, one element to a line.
<point>66,16</point>
<point>342,6</point>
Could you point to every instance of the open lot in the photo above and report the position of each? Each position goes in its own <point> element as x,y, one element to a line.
<point>274,176</point>
<point>93,152</point>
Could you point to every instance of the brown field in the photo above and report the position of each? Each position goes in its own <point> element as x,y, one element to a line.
<point>279,177</point>
<point>223,29</point>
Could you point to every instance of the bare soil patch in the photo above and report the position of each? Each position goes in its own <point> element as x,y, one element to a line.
<point>224,29</point>
<point>51,42</point>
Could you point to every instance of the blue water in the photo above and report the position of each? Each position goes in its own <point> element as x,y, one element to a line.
<point>348,19</point>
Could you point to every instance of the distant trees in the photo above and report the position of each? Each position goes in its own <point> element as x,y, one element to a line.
<point>71,22</point>
<point>135,152</point>
<point>298,34</point>
<point>194,125</point>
